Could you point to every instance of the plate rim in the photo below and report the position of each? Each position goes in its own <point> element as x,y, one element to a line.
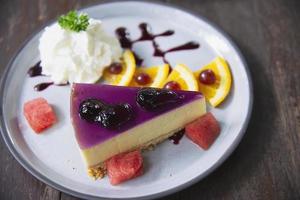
<point>48,181</point>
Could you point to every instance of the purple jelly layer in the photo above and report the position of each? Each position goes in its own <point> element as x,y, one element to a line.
<point>90,134</point>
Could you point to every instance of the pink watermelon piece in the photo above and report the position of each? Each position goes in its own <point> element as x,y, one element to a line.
<point>125,166</point>
<point>39,114</point>
<point>203,131</point>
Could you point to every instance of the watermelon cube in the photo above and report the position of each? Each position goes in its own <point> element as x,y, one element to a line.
<point>125,166</point>
<point>39,114</point>
<point>203,131</point>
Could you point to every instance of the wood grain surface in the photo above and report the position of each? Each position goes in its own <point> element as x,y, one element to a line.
<point>266,164</point>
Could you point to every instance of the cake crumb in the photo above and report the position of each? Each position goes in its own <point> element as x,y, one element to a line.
<point>97,172</point>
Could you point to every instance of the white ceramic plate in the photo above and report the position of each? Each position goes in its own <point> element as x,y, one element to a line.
<point>54,158</point>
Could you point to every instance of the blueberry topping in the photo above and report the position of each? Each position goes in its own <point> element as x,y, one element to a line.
<point>152,99</point>
<point>114,116</point>
<point>107,115</point>
<point>90,109</point>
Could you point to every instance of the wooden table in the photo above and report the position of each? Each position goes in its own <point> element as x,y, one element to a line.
<point>266,164</point>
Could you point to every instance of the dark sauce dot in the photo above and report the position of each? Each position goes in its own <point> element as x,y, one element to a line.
<point>177,136</point>
<point>36,70</point>
<point>143,79</point>
<point>115,68</point>
<point>207,77</point>
<point>152,99</point>
<point>172,85</point>
<point>42,86</point>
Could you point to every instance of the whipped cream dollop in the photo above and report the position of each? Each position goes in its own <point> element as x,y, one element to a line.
<point>80,57</point>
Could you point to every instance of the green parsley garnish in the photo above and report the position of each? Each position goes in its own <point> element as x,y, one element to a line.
<point>74,21</point>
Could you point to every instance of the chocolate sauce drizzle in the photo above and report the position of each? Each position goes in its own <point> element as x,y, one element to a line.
<point>42,86</point>
<point>177,136</point>
<point>35,70</point>
<point>146,35</point>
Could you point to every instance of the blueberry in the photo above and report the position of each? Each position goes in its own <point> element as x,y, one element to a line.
<point>90,109</point>
<point>152,99</point>
<point>114,116</point>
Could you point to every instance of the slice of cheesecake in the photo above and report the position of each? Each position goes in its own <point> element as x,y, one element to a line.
<point>109,120</point>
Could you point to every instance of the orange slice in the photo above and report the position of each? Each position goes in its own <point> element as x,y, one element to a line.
<point>184,77</point>
<point>216,93</point>
<point>157,75</point>
<point>126,74</point>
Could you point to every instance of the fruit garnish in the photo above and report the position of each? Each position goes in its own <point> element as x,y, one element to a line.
<point>115,68</point>
<point>207,77</point>
<point>124,167</point>
<point>125,76</point>
<point>203,131</point>
<point>142,78</point>
<point>39,114</point>
<point>152,99</point>
<point>177,136</point>
<point>172,85</point>
<point>35,70</point>
<point>150,76</point>
<point>184,77</point>
<point>214,81</point>
<point>73,21</point>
